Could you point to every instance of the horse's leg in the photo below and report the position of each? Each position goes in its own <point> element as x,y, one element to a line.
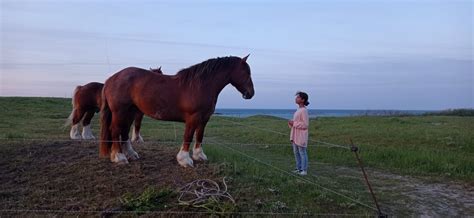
<point>126,143</point>
<point>86,128</point>
<point>116,125</point>
<point>76,118</point>
<point>183,154</point>
<point>198,153</point>
<point>136,137</point>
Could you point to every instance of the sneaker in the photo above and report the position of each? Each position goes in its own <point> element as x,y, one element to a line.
<point>296,171</point>
<point>303,173</point>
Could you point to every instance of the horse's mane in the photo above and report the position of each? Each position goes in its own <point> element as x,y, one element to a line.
<point>206,70</point>
<point>156,70</point>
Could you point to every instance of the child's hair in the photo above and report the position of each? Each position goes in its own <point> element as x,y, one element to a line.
<point>303,96</point>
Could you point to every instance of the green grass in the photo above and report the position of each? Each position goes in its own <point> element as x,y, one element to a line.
<point>255,152</point>
<point>263,183</point>
<point>151,199</point>
<point>419,145</point>
<point>33,117</point>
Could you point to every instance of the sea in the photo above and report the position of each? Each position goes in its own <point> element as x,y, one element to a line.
<point>288,113</point>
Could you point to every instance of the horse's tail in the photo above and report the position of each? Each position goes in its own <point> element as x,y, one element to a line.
<point>105,121</point>
<point>73,99</point>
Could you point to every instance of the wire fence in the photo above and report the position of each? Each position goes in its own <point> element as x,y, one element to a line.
<point>225,144</point>
<point>185,213</point>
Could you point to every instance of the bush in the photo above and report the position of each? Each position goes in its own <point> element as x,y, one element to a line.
<point>464,112</point>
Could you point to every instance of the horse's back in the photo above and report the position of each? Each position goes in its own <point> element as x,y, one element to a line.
<point>132,77</point>
<point>129,75</point>
<point>150,92</point>
<point>89,95</point>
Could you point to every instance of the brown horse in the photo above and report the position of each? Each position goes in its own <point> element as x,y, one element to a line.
<point>190,96</point>
<point>86,102</point>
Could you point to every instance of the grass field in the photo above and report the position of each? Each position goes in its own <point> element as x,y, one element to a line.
<point>254,154</point>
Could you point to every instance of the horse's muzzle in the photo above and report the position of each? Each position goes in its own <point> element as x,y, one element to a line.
<point>247,95</point>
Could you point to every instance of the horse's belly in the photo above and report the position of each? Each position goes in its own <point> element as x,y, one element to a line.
<point>166,116</point>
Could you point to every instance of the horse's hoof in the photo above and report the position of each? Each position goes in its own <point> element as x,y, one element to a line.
<point>129,152</point>
<point>74,133</point>
<point>76,137</point>
<point>186,163</point>
<point>184,160</point>
<point>87,133</point>
<point>138,139</point>
<point>198,154</point>
<point>91,137</point>
<point>132,155</point>
<point>119,158</point>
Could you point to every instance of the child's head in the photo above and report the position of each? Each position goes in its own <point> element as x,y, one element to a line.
<point>302,97</point>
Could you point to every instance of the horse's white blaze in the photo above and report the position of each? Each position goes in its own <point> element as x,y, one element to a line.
<point>136,137</point>
<point>87,132</point>
<point>184,159</point>
<point>118,158</point>
<point>75,134</point>
<point>127,149</point>
<point>198,154</point>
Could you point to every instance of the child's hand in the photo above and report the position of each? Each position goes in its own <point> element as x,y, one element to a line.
<point>290,122</point>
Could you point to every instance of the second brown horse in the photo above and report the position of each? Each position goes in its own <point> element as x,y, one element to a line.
<point>86,101</point>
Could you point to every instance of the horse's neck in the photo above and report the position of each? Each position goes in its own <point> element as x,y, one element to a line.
<point>216,84</point>
<point>220,81</point>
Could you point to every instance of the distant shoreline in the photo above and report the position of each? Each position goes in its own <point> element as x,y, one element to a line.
<point>288,113</point>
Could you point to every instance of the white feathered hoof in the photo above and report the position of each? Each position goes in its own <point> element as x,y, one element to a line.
<point>87,133</point>
<point>198,154</point>
<point>129,152</point>
<point>137,138</point>
<point>74,133</point>
<point>118,158</point>
<point>184,159</point>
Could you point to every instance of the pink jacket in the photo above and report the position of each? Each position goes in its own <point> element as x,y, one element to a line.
<point>299,131</point>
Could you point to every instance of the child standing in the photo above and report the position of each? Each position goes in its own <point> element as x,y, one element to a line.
<point>299,133</point>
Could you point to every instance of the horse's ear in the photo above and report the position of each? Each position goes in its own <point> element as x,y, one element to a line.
<point>245,58</point>
<point>159,68</point>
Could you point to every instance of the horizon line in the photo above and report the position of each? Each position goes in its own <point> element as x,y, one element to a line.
<point>240,108</point>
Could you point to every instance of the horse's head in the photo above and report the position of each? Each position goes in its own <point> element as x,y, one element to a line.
<point>241,79</point>
<point>157,70</point>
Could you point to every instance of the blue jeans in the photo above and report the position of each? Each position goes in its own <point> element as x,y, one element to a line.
<point>301,157</point>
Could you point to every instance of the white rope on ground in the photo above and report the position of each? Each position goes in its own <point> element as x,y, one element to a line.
<point>204,193</point>
<point>301,178</point>
<point>280,133</point>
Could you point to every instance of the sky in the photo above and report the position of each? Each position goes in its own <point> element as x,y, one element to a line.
<point>352,54</point>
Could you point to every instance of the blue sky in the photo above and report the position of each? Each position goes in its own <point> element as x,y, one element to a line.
<point>358,54</point>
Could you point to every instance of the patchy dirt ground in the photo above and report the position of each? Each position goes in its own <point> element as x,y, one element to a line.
<point>425,198</point>
<point>69,176</point>
<point>405,195</point>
